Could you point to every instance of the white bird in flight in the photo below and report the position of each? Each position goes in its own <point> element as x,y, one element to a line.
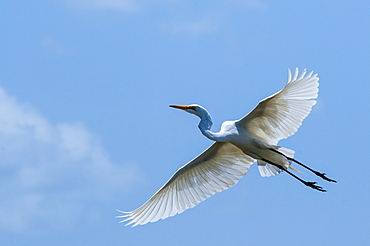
<point>237,146</point>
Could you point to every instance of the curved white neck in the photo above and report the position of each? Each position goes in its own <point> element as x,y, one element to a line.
<point>205,125</point>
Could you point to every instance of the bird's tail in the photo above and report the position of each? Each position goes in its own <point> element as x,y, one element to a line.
<point>268,170</point>
<point>285,151</point>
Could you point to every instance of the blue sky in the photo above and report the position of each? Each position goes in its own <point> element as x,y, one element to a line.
<point>85,126</point>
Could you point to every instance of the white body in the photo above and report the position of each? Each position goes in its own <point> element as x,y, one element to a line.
<point>237,146</point>
<point>250,144</point>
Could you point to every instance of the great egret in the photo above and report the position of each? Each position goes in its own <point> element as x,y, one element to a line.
<point>237,146</point>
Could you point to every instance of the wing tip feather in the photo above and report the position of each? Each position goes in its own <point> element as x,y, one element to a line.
<point>296,76</point>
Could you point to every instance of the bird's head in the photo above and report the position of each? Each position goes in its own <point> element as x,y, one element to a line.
<point>205,123</point>
<point>192,109</point>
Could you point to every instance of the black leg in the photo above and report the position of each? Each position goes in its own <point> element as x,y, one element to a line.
<point>321,175</point>
<point>307,183</point>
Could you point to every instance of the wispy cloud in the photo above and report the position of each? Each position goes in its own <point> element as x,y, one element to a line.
<point>210,18</point>
<point>251,4</point>
<point>120,5</point>
<point>196,27</point>
<point>50,172</point>
<point>177,16</point>
<point>132,5</point>
<point>53,46</point>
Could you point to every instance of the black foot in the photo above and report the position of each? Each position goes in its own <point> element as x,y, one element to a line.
<point>313,186</point>
<point>322,175</point>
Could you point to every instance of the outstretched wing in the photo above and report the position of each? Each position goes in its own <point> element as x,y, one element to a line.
<point>219,167</point>
<point>280,115</point>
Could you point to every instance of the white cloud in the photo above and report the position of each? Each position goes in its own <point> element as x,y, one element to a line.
<point>48,173</point>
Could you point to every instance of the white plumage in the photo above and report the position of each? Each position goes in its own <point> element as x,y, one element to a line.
<point>238,145</point>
